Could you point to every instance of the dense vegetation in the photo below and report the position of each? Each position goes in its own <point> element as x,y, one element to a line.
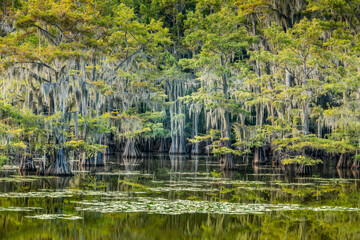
<point>275,80</point>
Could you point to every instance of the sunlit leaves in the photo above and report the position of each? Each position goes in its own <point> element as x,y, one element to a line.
<point>302,142</point>
<point>301,160</point>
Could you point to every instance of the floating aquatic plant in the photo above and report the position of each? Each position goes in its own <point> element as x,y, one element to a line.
<point>19,209</point>
<point>163,206</point>
<point>55,216</point>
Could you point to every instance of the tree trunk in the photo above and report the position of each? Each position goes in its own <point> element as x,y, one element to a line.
<point>303,170</point>
<point>131,149</point>
<point>259,156</point>
<point>355,165</point>
<point>59,167</point>
<point>163,145</point>
<point>306,117</point>
<point>319,128</point>
<point>177,124</point>
<point>288,79</point>
<point>306,103</point>
<point>27,165</point>
<point>227,162</point>
<point>195,146</point>
<point>97,160</point>
<point>342,161</point>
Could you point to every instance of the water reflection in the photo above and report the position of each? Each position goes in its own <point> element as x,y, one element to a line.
<point>144,226</point>
<point>137,199</point>
<point>131,164</point>
<point>194,165</point>
<point>177,167</point>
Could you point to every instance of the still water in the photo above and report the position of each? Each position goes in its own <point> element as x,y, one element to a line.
<point>179,197</point>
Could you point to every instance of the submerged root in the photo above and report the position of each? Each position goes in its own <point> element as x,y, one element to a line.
<point>195,149</point>
<point>97,160</point>
<point>131,150</point>
<point>342,163</point>
<point>303,170</point>
<point>259,156</point>
<point>41,170</point>
<point>59,167</point>
<point>27,165</point>
<point>163,146</point>
<point>227,162</point>
<point>177,148</point>
<point>355,165</point>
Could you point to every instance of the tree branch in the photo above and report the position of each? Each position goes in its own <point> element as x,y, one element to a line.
<point>126,59</point>
<point>34,75</point>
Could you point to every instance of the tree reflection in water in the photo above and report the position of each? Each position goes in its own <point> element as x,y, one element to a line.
<point>179,178</point>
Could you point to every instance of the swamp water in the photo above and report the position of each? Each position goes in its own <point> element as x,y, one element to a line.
<point>178,197</point>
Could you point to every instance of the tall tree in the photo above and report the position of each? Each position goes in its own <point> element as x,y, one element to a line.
<point>221,41</point>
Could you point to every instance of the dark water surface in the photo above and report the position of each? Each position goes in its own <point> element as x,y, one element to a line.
<point>178,197</point>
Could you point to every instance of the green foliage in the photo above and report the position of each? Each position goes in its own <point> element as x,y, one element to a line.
<point>215,174</point>
<point>302,142</point>
<point>82,147</point>
<point>301,160</point>
<point>3,160</point>
<point>136,125</point>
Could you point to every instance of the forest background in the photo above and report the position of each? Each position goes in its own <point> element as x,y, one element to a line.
<point>274,81</point>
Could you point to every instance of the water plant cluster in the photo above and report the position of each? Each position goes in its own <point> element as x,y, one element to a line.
<point>190,197</point>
